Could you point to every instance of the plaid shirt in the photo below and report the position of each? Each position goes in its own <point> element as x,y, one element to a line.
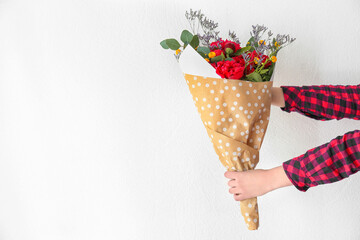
<point>334,160</point>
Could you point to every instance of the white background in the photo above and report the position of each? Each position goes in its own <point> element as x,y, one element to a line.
<point>100,139</point>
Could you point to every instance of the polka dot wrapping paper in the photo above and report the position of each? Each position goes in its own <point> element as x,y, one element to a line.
<point>235,114</point>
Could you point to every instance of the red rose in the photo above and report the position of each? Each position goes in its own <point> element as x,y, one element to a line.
<point>227,43</point>
<point>230,69</point>
<point>230,45</point>
<point>217,52</point>
<point>221,44</point>
<point>239,59</point>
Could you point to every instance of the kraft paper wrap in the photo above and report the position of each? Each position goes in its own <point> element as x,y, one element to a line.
<point>235,114</point>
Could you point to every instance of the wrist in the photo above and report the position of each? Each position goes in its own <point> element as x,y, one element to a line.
<point>277,178</point>
<point>277,97</point>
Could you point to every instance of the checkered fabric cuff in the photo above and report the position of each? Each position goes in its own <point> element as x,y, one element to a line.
<point>296,172</point>
<point>292,98</point>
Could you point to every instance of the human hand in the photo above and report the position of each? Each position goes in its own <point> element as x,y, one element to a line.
<point>248,184</point>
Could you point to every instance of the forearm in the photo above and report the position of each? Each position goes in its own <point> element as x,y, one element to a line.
<point>277,178</point>
<point>277,97</point>
<point>327,163</point>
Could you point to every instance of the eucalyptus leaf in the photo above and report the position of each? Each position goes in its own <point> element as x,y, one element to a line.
<point>202,54</point>
<point>204,50</point>
<point>172,43</point>
<point>186,36</point>
<point>194,41</point>
<point>163,44</point>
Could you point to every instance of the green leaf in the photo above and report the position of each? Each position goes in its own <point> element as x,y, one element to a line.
<point>163,44</point>
<point>204,50</point>
<point>242,50</point>
<point>172,43</point>
<point>186,36</point>
<point>266,78</point>
<point>202,54</point>
<point>264,71</point>
<point>229,51</point>
<point>218,58</point>
<point>229,59</point>
<point>194,41</point>
<point>252,39</point>
<point>254,76</point>
<point>271,69</point>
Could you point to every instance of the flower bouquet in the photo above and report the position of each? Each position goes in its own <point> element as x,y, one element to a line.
<point>231,88</point>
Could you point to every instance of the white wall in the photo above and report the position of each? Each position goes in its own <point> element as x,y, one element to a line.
<point>100,139</point>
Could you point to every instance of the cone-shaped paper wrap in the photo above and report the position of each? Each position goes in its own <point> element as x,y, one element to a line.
<point>235,114</point>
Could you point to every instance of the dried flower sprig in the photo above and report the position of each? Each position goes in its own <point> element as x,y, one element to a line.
<point>208,27</point>
<point>233,37</point>
<point>271,49</point>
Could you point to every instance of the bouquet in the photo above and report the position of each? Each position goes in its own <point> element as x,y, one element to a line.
<point>231,88</point>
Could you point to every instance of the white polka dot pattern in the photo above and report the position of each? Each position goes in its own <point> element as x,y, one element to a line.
<point>235,114</point>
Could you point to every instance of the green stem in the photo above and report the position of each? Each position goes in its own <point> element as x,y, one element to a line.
<point>262,66</point>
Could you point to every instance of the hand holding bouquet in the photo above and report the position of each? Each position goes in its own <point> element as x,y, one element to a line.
<point>230,86</point>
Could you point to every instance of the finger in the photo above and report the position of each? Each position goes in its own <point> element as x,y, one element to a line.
<point>230,174</point>
<point>234,190</point>
<point>238,197</point>
<point>232,183</point>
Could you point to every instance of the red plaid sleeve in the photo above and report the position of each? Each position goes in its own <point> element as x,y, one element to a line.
<point>323,102</point>
<point>337,159</point>
<point>328,163</point>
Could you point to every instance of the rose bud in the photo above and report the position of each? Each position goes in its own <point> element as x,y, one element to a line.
<point>230,45</point>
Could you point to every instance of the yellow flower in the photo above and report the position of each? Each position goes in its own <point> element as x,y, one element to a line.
<point>177,51</point>
<point>248,43</point>
<point>276,44</point>
<point>211,54</point>
<point>207,59</point>
<point>273,59</point>
<point>256,60</point>
<point>262,41</point>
